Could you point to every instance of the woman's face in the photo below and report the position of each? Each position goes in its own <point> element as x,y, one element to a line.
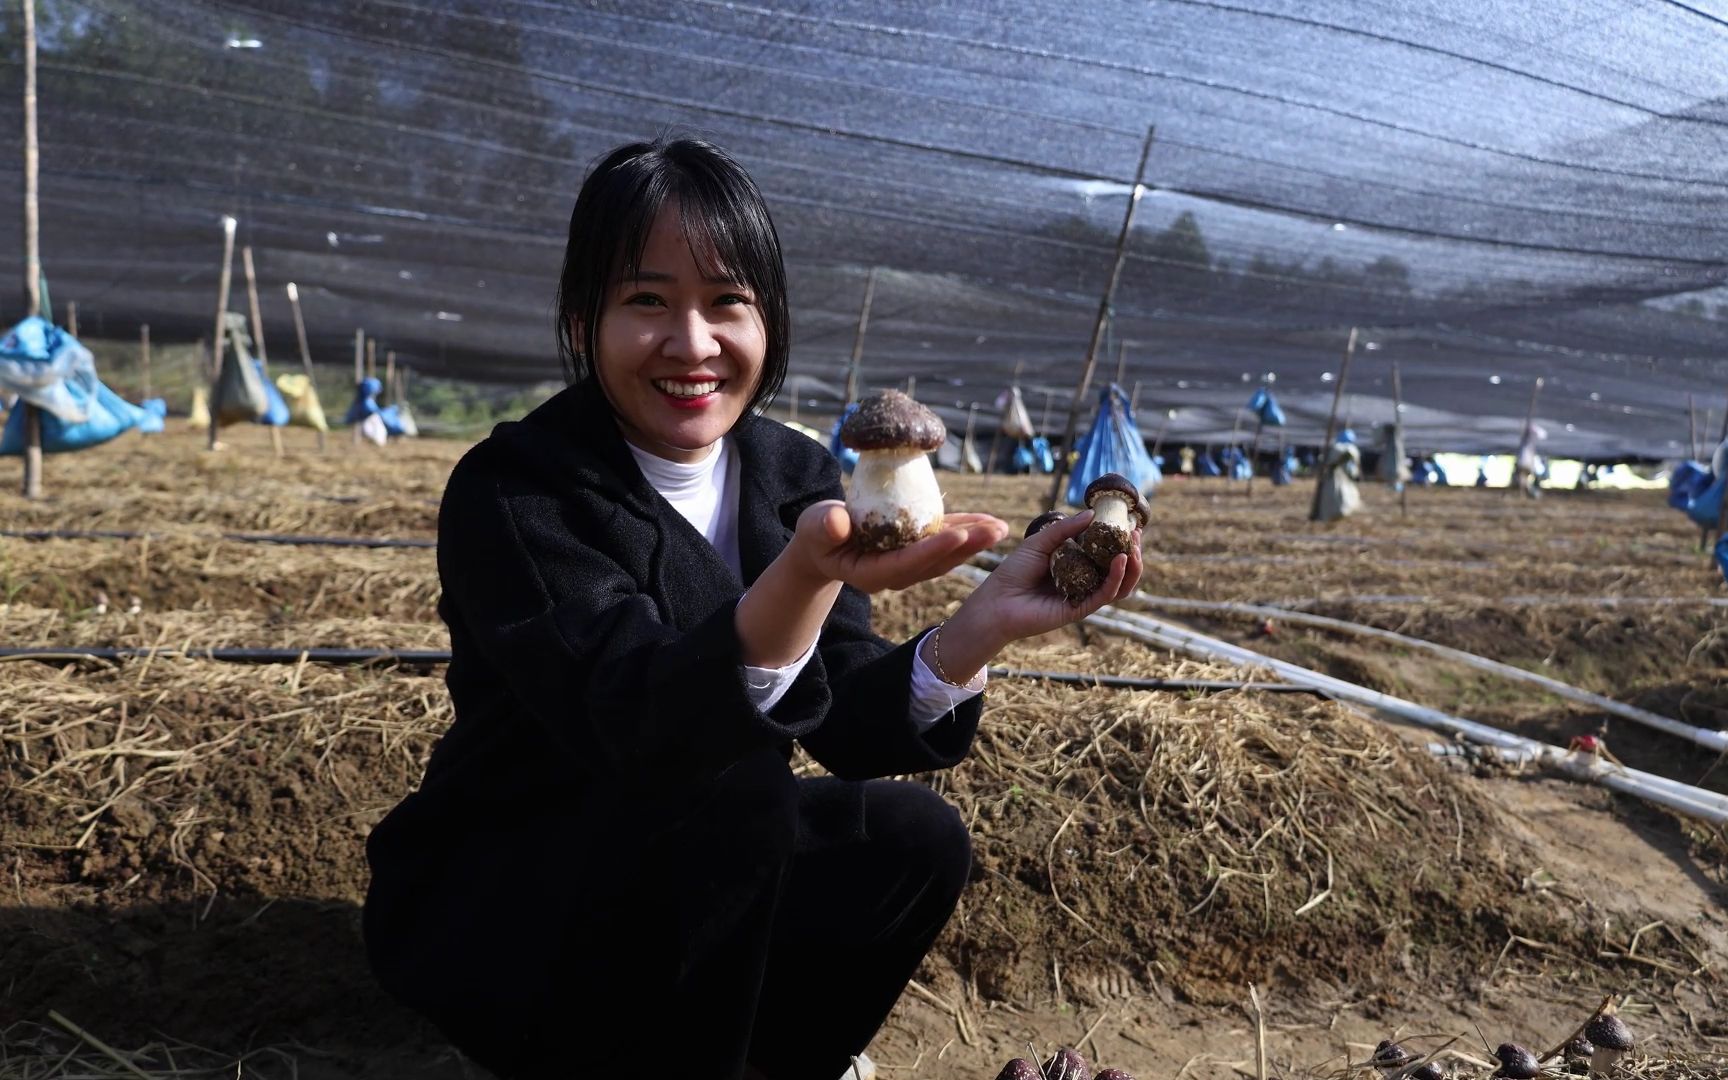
<point>678,354</point>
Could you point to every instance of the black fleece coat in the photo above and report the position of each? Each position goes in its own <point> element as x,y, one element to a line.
<point>598,687</point>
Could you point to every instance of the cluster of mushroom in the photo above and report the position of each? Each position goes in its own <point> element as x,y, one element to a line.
<point>1079,567</point>
<point>1595,1048</point>
<point>1065,1064</point>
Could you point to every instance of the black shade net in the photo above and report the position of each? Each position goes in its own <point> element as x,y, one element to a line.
<point>1492,192</point>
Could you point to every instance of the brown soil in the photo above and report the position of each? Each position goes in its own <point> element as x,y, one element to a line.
<point>182,842</point>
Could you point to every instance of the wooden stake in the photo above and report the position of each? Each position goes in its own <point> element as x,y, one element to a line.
<point>1121,361</point>
<point>252,302</point>
<point>1398,433</point>
<point>305,352</point>
<point>1134,399</point>
<point>359,371</point>
<point>971,426</point>
<point>72,317</point>
<point>32,247</point>
<point>912,387</point>
<point>1085,383</point>
<point>227,280</point>
<point>144,356</point>
<point>390,374</point>
<point>858,339</point>
<point>1692,426</point>
<point>1254,447</point>
<point>1163,426</point>
<point>371,358</point>
<point>1332,425</point>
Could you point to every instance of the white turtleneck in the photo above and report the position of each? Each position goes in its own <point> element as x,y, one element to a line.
<point>705,493</point>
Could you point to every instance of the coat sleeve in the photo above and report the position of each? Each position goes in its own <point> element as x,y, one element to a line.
<point>869,731</point>
<point>586,651</point>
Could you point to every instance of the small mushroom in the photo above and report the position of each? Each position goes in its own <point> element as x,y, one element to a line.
<point>1066,1064</point>
<point>101,602</point>
<point>894,499</point>
<point>1516,1063</point>
<point>1429,1070</point>
<point>1610,1037</point>
<point>1390,1055</point>
<point>1076,576</point>
<point>1113,1074</point>
<point>1019,1069</point>
<point>1119,509</point>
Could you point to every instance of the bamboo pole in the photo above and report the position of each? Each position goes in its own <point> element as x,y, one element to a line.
<point>1163,426</point>
<point>912,387</point>
<point>390,375</point>
<point>1085,383</point>
<point>1331,426</point>
<point>1121,361</point>
<point>1398,439</point>
<point>72,317</point>
<point>305,351</point>
<point>1134,398</point>
<point>32,247</point>
<point>226,281</point>
<point>371,358</point>
<point>258,334</point>
<point>1692,426</point>
<point>1254,447</point>
<point>144,356</point>
<point>858,338</point>
<point>359,371</point>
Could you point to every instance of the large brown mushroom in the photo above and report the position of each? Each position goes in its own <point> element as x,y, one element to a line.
<point>1113,1074</point>
<point>1611,1038</point>
<point>1019,1069</point>
<point>894,499</point>
<point>1119,510</point>
<point>1516,1063</point>
<point>1429,1070</point>
<point>1066,1064</point>
<point>1076,576</point>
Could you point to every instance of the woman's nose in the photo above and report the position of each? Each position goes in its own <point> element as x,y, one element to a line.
<point>693,339</point>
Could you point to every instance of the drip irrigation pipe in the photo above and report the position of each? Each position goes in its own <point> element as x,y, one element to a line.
<point>1709,739</point>
<point>241,655</point>
<point>1683,798</point>
<point>239,538</point>
<point>1509,601</point>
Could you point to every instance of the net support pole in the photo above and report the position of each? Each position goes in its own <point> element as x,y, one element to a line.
<point>1398,440</point>
<point>371,358</point>
<point>72,317</point>
<point>1331,425</point>
<point>144,356</point>
<point>1518,470</point>
<point>32,481</point>
<point>224,283</point>
<point>1085,383</point>
<point>258,333</point>
<point>1692,426</point>
<point>1254,450</point>
<point>858,338</point>
<point>305,351</point>
<point>359,371</point>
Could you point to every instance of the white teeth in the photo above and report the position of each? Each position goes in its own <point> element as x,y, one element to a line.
<point>685,389</point>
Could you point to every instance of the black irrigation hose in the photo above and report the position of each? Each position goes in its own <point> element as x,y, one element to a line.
<point>427,657</point>
<point>242,538</point>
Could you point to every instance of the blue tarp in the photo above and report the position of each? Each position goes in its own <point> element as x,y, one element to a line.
<point>1235,463</point>
<point>1112,444</point>
<point>1688,478</point>
<point>1034,455</point>
<point>847,458</point>
<point>49,368</point>
<point>1265,406</point>
<point>1207,465</point>
<point>155,412</point>
<point>1285,470</point>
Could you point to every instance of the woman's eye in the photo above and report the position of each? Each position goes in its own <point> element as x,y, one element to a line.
<point>733,298</point>
<point>644,300</point>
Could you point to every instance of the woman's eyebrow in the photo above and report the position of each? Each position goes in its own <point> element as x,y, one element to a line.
<point>661,277</point>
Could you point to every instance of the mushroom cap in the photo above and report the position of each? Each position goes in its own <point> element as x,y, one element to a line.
<point>1117,484</point>
<point>1390,1055</point>
<point>1038,524</point>
<point>1113,1074</point>
<point>1019,1069</point>
<point>1578,1048</point>
<point>1607,1031</point>
<point>1516,1063</point>
<point>1429,1070</point>
<point>892,421</point>
<point>1066,1064</point>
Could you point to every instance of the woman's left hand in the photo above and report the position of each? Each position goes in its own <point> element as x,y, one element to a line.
<point>1018,600</point>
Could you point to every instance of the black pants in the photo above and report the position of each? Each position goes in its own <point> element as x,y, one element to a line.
<point>713,943</point>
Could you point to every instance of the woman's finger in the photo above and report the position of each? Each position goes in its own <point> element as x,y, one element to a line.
<point>1110,590</point>
<point>1046,540</point>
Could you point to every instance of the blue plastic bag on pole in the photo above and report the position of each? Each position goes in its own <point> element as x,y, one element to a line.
<point>1688,479</point>
<point>365,401</point>
<point>155,412</point>
<point>1112,444</point>
<point>1265,406</point>
<point>1043,456</point>
<point>41,363</point>
<point>275,407</point>
<point>1207,465</point>
<point>106,415</point>
<point>847,457</point>
<point>1705,508</point>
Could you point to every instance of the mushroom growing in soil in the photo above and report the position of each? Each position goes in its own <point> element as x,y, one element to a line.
<point>894,499</point>
<point>1429,1070</point>
<point>1066,1064</point>
<point>1516,1063</point>
<point>1019,1069</point>
<point>1113,1074</point>
<point>1611,1038</point>
<point>1120,510</point>
<point>1076,576</point>
<point>1390,1055</point>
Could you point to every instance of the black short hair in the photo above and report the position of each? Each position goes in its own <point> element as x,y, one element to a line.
<point>723,214</point>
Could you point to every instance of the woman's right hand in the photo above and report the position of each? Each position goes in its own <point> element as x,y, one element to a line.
<point>823,541</point>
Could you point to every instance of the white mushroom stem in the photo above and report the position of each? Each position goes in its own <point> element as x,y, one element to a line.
<point>1112,510</point>
<point>885,482</point>
<point>1603,1059</point>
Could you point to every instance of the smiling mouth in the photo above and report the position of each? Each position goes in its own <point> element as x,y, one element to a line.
<point>679,389</point>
